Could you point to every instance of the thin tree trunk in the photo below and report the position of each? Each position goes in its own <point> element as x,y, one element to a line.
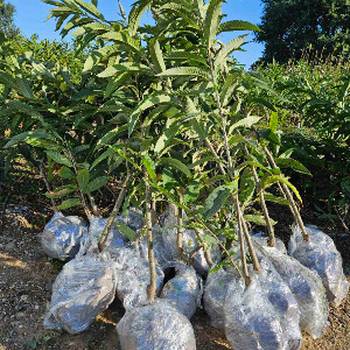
<point>152,287</point>
<point>292,205</point>
<point>117,205</point>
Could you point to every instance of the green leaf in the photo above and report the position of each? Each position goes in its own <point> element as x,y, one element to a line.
<point>275,199</point>
<point>211,22</point>
<point>157,56</point>
<point>244,123</point>
<point>91,8</point>
<point>257,219</point>
<point>149,166</point>
<point>23,87</point>
<point>293,164</point>
<point>66,173</point>
<point>110,71</point>
<point>247,186</point>
<point>270,180</point>
<point>126,231</point>
<point>83,178</point>
<point>59,158</point>
<point>97,183</point>
<point>136,13</point>
<point>274,121</point>
<point>185,71</point>
<point>235,25</point>
<point>69,203</point>
<point>227,49</point>
<point>176,164</point>
<point>62,192</point>
<point>216,200</point>
<point>149,102</point>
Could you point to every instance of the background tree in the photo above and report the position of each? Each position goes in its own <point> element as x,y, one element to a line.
<point>289,27</point>
<point>7,26</point>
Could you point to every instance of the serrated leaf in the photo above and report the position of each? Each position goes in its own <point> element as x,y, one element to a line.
<point>235,25</point>
<point>126,231</point>
<point>59,158</point>
<point>136,13</point>
<point>216,200</point>
<point>157,56</point>
<point>244,123</point>
<point>69,203</point>
<point>149,166</point>
<point>62,192</point>
<point>83,178</point>
<point>97,183</point>
<point>66,173</point>
<point>149,102</point>
<point>293,164</point>
<point>211,22</point>
<point>185,71</point>
<point>270,180</point>
<point>227,49</point>
<point>176,164</point>
<point>274,121</point>
<point>91,8</point>
<point>275,199</point>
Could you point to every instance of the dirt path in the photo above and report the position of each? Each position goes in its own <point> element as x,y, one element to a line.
<point>26,277</point>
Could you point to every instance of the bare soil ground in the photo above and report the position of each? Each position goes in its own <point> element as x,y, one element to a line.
<point>26,277</point>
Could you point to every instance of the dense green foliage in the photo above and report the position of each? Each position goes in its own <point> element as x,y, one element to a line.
<point>313,104</point>
<point>7,27</point>
<point>289,28</point>
<point>164,107</point>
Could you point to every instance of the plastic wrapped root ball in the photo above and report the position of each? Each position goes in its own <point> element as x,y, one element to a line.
<point>161,253</point>
<point>184,290</point>
<point>133,277</point>
<point>307,288</point>
<point>190,244</point>
<point>320,254</point>
<point>268,316</point>
<point>251,321</point>
<point>134,219</point>
<point>262,239</point>
<point>158,326</point>
<point>215,290</point>
<point>62,236</point>
<point>83,289</point>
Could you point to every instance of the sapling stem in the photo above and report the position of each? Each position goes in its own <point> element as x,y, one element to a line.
<point>94,207</point>
<point>246,276</point>
<point>81,194</point>
<point>292,205</point>
<point>240,217</point>
<point>117,205</point>
<point>242,223</point>
<point>47,185</point>
<point>152,287</point>
<point>180,232</point>
<point>268,221</point>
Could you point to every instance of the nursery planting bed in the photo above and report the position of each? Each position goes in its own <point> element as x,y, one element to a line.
<point>26,277</point>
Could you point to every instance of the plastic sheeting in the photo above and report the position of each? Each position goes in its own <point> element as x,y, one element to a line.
<point>265,315</point>
<point>133,277</point>
<point>184,290</point>
<point>155,327</point>
<point>190,243</point>
<point>215,290</point>
<point>262,239</point>
<point>161,253</point>
<point>82,290</point>
<point>307,288</point>
<point>62,236</point>
<point>134,219</point>
<point>321,255</point>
